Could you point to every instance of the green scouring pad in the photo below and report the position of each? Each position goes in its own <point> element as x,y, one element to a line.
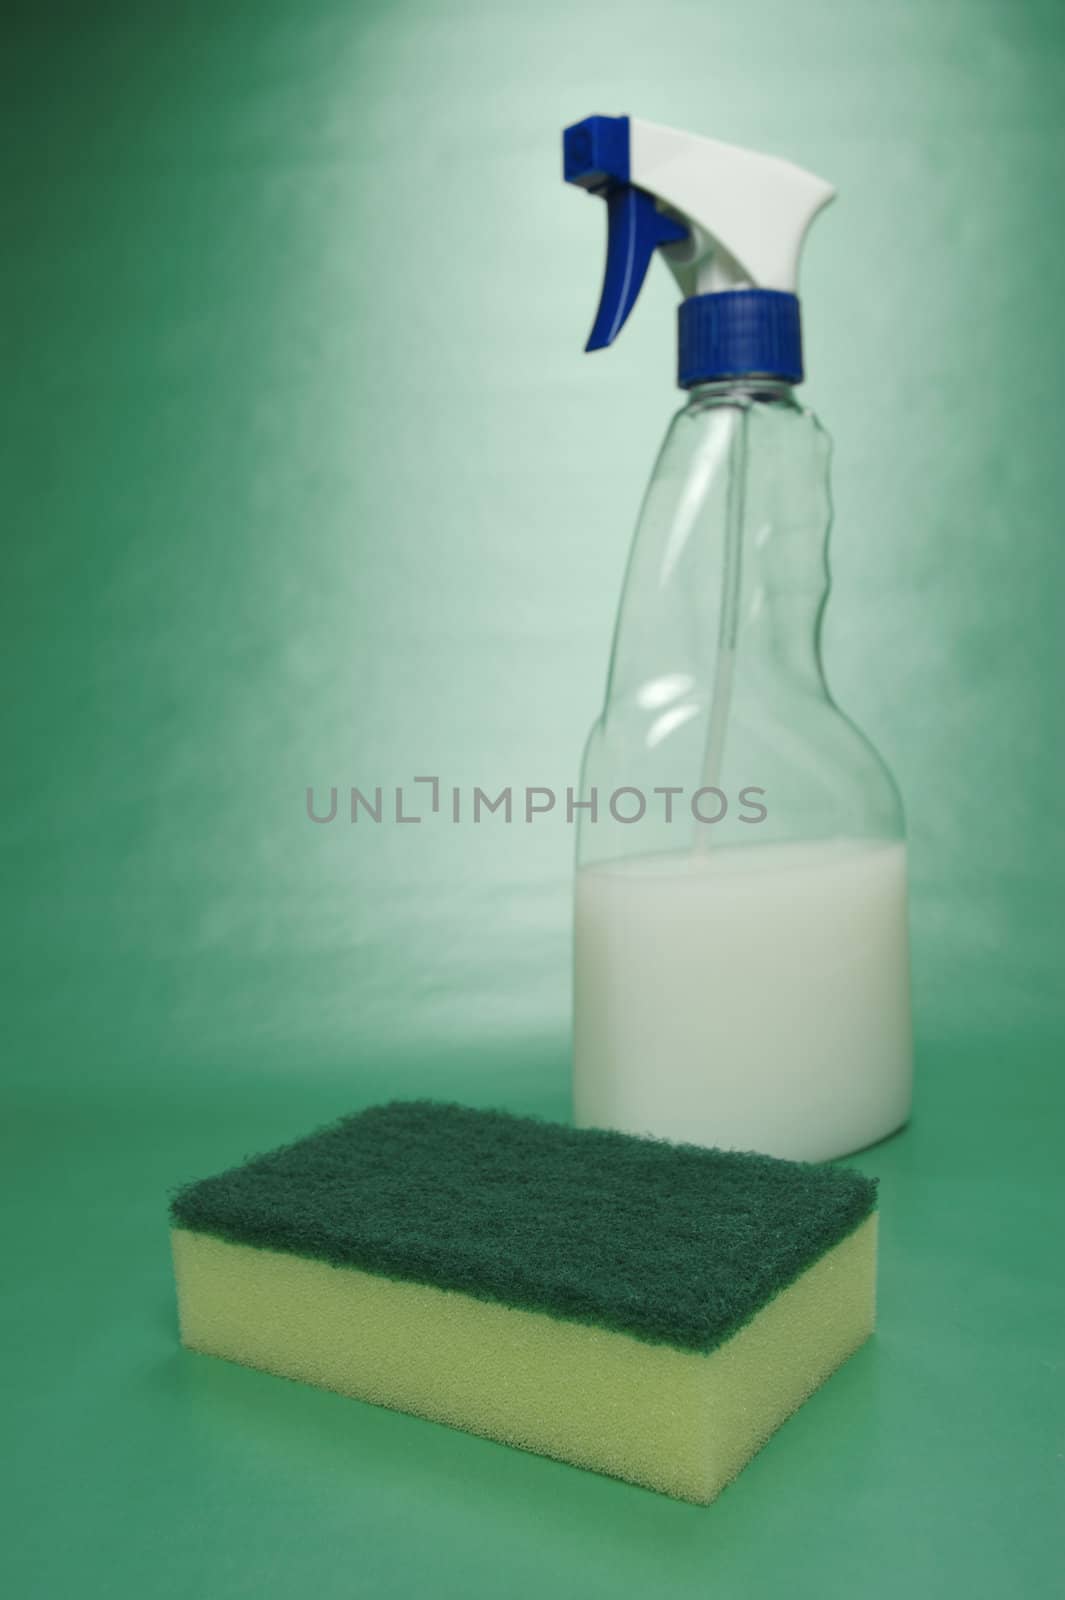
<point>648,1310</point>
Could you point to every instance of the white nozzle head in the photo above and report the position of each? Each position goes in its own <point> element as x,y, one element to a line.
<point>747,213</point>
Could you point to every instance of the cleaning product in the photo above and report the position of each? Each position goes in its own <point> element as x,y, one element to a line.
<point>741,956</point>
<point>649,1311</point>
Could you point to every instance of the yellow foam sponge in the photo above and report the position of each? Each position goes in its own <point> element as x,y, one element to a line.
<point>718,1291</point>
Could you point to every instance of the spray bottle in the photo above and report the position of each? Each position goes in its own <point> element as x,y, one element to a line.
<point>741,955</point>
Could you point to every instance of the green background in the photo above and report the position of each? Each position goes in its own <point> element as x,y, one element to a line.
<point>307,483</point>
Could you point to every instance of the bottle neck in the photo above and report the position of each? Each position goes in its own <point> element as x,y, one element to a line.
<point>754,515</point>
<point>749,387</point>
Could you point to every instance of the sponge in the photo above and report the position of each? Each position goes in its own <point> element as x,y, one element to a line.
<point>647,1310</point>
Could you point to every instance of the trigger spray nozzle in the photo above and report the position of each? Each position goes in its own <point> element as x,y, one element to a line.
<point>740,218</point>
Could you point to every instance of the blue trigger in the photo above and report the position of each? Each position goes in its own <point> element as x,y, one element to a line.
<point>635,229</point>
<point>596,156</point>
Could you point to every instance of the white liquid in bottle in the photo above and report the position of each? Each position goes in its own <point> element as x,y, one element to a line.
<point>753,997</point>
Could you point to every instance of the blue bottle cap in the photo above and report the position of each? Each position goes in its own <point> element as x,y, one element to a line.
<point>739,333</point>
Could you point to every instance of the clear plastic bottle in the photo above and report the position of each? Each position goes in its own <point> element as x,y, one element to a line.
<point>741,981</point>
<point>741,952</point>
